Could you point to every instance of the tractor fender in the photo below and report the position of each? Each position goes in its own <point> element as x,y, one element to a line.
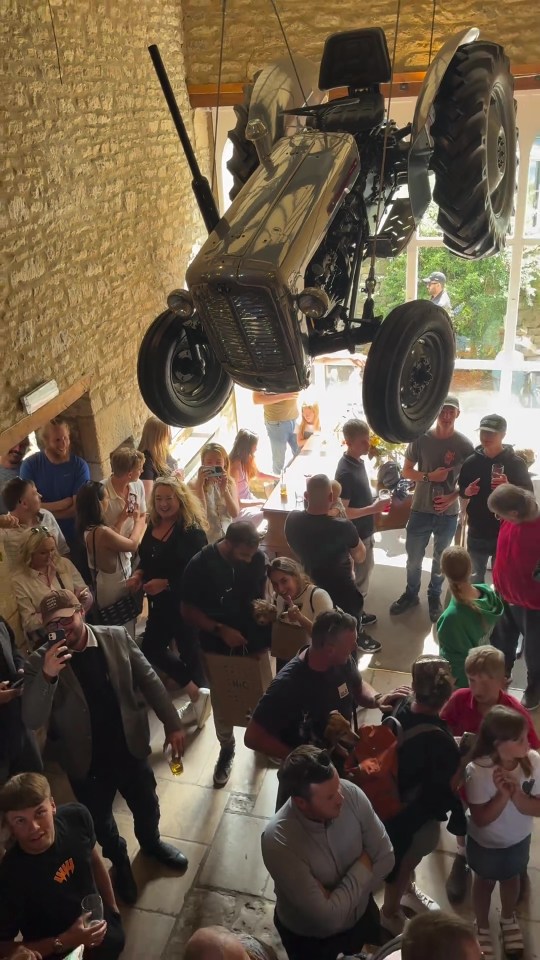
<point>276,90</point>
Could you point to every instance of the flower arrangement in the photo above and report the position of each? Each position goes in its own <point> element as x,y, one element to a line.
<point>382,450</point>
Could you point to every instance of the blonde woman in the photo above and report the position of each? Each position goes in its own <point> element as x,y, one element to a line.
<point>155,444</point>
<point>41,569</point>
<point>216,490</point>
<point>470,616</point>
<point>175,533</point>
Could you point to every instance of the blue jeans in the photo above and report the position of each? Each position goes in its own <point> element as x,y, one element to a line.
<point>280,434</point>
<point>480,551</point>
<point>419,530</point>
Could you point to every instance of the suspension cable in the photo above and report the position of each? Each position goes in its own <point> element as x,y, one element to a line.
<point>385,142</point>
<point>289,51</point>
<point>220,68</point>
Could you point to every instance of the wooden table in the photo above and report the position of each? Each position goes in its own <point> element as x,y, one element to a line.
<point>318,455</point>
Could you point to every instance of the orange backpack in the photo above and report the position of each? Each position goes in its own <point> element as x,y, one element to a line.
<point>374,762</point>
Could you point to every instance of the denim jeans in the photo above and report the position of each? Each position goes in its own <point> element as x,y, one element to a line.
<point>480,551</point>
<point>419,530</point>
<point>280,434</point>
<point>516,622</point>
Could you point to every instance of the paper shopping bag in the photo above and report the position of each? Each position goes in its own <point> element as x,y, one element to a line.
<point>287,639</point>
<point>237,683</point>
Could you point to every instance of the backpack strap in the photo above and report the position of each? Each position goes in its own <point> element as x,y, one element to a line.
<point>311,598</point>
<point>422,728</point>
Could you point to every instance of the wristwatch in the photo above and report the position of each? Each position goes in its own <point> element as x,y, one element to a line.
<point>58,946</point>
<point>425,477</point>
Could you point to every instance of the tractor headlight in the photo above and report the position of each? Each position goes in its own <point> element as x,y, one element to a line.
<point>313,302</point>
<point>181,303</point>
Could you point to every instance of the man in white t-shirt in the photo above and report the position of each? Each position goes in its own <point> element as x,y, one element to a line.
<point>124,488</point>
<point>23,503</point>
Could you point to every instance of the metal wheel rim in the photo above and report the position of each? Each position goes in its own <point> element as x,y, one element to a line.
<point>496,148</point>
<point>422,365</point>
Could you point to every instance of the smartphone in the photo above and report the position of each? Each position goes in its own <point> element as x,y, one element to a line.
<point>54,636</point>
<point>16,683</point>
<point>213,471</point>
<point>131,502</point>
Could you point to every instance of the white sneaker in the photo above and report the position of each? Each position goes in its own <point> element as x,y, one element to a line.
<point>418,901</point>
<point>394,924</point>
<point>202,707</point>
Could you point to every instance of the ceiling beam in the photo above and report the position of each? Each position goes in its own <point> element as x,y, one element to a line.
<point>526,77</point>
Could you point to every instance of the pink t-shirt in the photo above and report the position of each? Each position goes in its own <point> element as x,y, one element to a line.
<point>518,552</point>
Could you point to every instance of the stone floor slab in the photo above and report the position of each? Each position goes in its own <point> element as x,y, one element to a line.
<point>235,862</point>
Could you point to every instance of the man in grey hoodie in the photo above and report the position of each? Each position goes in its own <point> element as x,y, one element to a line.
<point>492,463</point>
<point>327,851</point>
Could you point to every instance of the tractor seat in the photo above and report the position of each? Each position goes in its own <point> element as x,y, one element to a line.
<point>355,59</point>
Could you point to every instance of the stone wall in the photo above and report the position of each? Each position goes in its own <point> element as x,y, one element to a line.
<point>97,214</point>
<point>253,37</point>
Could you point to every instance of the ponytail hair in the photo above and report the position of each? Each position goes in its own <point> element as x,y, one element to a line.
<point>500,723</point>
<point>457,568</point>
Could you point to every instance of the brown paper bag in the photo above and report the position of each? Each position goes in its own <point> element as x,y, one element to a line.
<point>237,683</point>
<point>287,639</point>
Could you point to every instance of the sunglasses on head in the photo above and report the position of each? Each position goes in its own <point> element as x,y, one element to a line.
<point>41,530</point>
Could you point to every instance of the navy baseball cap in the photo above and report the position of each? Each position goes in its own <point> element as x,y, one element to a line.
<point>435,277</point>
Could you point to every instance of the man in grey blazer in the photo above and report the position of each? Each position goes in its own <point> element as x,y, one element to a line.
<point>91,688</point>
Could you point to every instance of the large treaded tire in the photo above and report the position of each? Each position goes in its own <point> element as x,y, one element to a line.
<point>408,371</point>
<point>475,150</point>
<point>177,395</point>
<point>244,160</point>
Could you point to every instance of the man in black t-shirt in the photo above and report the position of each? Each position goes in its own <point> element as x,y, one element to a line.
<point>321,678</point>
<point>219,586</point>
<point>326,547</point>
<point>357,498</point>
<point>44,877</point>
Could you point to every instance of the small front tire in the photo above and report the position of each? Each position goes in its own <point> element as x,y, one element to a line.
<point>408,371</point>
<point>179,376</point>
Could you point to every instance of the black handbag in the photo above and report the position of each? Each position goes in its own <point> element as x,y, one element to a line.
<point>122,610</point>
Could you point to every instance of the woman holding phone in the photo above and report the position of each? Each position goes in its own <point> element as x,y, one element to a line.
<point>216,490</point>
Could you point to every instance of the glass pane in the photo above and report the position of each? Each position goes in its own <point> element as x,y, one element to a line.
<point>428,226</point>
<point>478,292</point>
<point>532,212</point>
<point>479,394</point>
<point>527,345</point>
<point>391,284</point>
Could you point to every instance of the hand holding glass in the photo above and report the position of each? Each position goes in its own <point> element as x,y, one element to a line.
<point>436,492</point>
<point>92,904</point>
<point>385,494</point>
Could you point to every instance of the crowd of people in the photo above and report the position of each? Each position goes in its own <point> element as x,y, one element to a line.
<point>452,747</point>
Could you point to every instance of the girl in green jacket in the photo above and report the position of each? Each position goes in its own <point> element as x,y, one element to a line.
<point>470,616</point>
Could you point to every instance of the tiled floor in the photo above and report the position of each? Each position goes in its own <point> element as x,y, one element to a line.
<point>219,830</point>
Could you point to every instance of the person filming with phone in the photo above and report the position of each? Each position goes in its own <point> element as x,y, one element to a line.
<point>216,490</point>
<point>492,463</point>
<point>91,687</point>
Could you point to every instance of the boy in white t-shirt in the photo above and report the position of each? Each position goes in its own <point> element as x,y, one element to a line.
<point>502,784</point>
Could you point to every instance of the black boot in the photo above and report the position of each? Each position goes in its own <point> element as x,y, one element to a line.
<point>123,881</point>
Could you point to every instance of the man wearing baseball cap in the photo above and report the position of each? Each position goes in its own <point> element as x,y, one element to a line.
<point>88,683</point>
<point>436,283</point>
<point>492,463</point>
<point>433,461</point>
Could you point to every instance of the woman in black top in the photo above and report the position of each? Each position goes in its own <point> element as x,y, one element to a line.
<point>427,766</point>
<point>175,533</point>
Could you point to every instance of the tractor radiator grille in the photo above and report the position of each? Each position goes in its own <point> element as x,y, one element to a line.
<point>243,328</point>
